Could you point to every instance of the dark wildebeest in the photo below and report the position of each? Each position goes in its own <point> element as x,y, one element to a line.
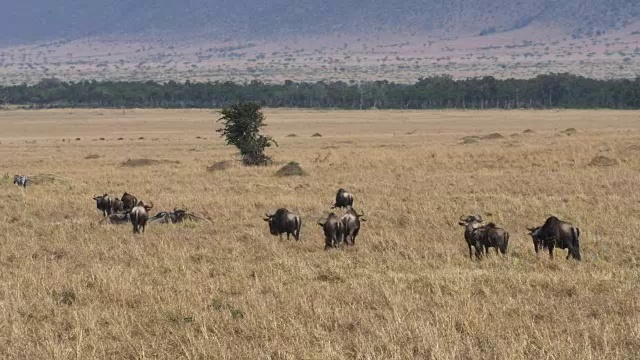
<point>129,201</point>
<point>557,233</point>
<point>139,216</point>
<point>343,199</point>
<point>116,219</point>
<point>21,180</point>
<point>471,223</point>
<point>491,236</point>
<point>117,206</point>
<point>104,203</point>
<point>284,221</point>
<point>351,225</point>
<point>333,231</point>
<point>174,217</point>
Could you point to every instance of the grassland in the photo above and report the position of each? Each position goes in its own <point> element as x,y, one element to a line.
<point>70,288</point>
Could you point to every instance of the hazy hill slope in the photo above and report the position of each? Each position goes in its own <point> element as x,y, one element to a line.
<point>30,20</point>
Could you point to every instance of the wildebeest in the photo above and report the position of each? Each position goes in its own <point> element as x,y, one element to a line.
<point>284,221</point>
<point>491,236</point>
<point>129,201</point>
<point>344,199</point>
<point>557,233</point>
<point>118,218</point>
<point>21,180</point>
<point>174,217</point>
<point>139,216</point>
<point>471,223</point>
<point>117,206</point>
<point>351,225</point>
<point>104,203</point>
<point>333,231</point>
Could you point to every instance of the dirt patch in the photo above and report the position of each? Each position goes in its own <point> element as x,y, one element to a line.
<point>92,156</point>
<point>147,162</point>
<point>220,166</point>
<point>603,161</point>
<point>493,136</point>
<point>470,139</point>
<point>316,135</point>
<point>291,169</point>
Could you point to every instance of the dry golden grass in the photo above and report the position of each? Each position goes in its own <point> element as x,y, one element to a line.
<point>74,289</point>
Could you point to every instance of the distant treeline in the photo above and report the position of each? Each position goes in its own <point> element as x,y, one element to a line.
<point>439,92</point>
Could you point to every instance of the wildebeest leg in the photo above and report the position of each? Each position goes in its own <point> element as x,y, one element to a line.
<point>470,254</point>
<point>535,246</point>
<point>551,252</point>
<point>288,236</point>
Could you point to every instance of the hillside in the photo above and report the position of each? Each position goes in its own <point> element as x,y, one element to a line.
<point>34,20</point>
<point>310,40</point>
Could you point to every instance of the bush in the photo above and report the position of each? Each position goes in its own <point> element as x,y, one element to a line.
<point>242,124</point>
<point>291,169</point>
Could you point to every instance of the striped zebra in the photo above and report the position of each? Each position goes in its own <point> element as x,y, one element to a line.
<point>21,180</point>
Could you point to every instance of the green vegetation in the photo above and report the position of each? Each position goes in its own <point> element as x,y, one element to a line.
<point>242,123</point>
<point>544,91</point>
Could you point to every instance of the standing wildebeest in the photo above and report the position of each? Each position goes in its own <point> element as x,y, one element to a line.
<point>284,221</point>
<point>557,233</point>
<point>21,180</point>
<point>139,216</point>
<point>117,206</point>
<point>129,201</point>
<point>343,199</point>
<point>471,223</point>
<point>491,236</point>
<point>104,203</point>
<point>333,231</point>
<point>351,225</point>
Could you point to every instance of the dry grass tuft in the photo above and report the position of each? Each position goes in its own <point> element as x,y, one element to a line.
<point>291,169</point>
<point>603,161</point>
<point>528,131</point>
<point>292,135</point>
<point>41,179</point>
<point>493,136</point>
<point>92,156</point>
<point>220,165</point>
<point>146,162</point>
<point>316,135</point>
<point>472,139</point>
<point>570,131</point>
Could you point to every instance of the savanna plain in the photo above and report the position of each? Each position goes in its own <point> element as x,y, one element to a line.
<point>73,288</point>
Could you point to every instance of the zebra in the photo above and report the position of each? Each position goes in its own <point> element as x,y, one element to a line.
<point>21,180</point>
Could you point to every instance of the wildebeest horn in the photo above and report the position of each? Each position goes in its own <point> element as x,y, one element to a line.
<point>478,217</point>
<point>463,218</point>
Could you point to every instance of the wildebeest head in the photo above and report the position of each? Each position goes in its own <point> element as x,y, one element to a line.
<point>471,219</point>
<point>284,221</point>
<point>344,199</point>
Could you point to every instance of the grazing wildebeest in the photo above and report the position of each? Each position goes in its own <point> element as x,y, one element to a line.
<point>284,221</point>
<point>118,218</point>
<point>333,231</point>
<point>21,180</point>
<point>129,201</point>
<point>351,225</point>
<point>343,199</point>
<point>104,203</point>
<point>117,206</point>
<point>557,233</point>
<point>471,223</point>
<point>491,236</point>
<point>139,216</point>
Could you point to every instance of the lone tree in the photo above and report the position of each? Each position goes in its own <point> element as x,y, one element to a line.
<point>242,123</point>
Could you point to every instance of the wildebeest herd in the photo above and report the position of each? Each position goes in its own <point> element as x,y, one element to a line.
<point>554,233</point>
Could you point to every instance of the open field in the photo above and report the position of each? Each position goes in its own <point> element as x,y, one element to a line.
<point>70,288</point>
